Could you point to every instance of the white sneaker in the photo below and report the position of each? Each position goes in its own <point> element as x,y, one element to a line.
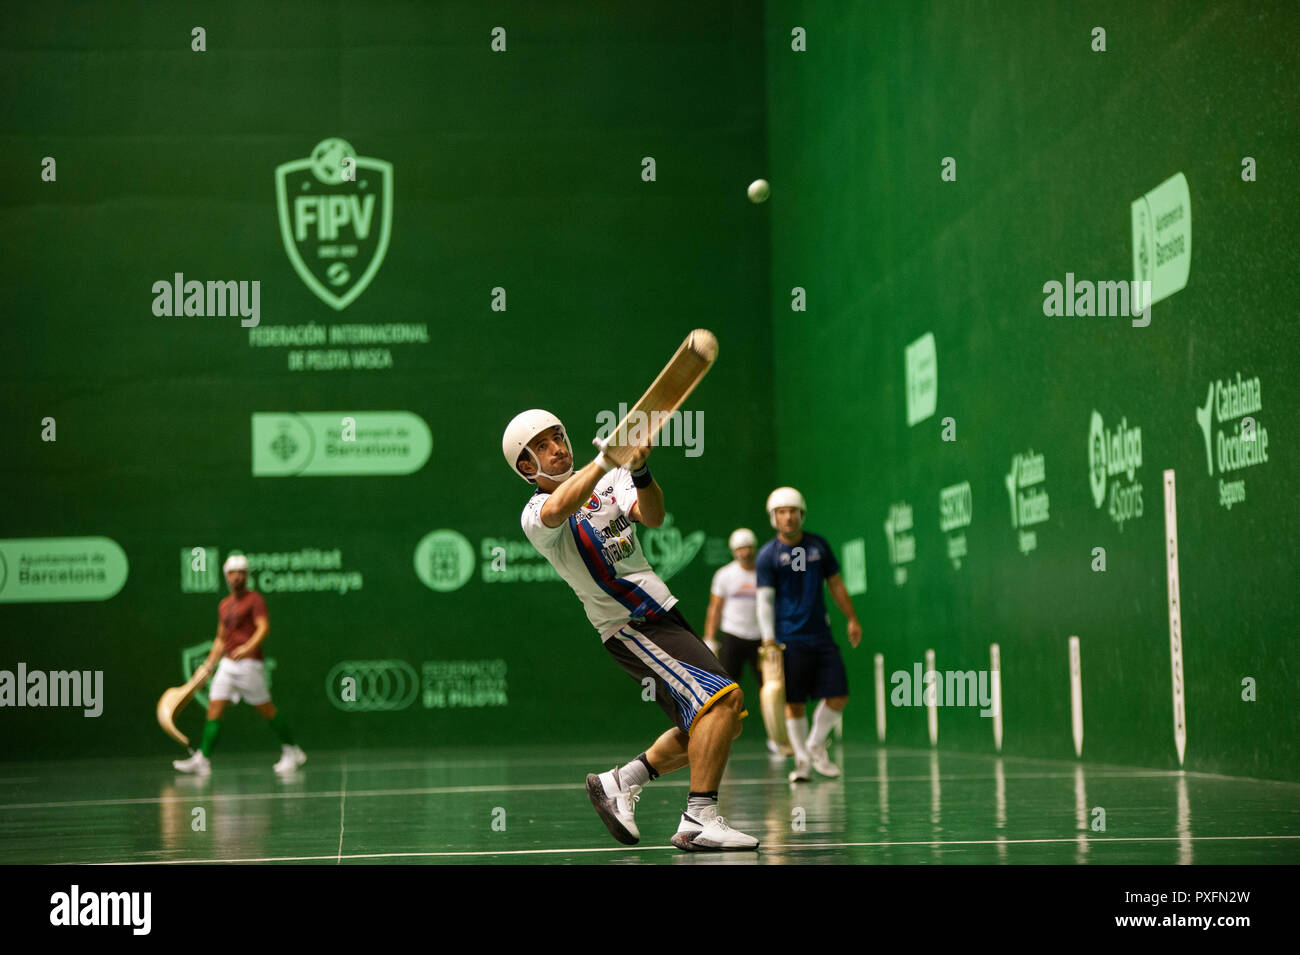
<point>291,757</point>
<point>779,749</point>
<point>197,763</point>
<point>822,762</point>
<point>696,835</point>
<point>615,804</point>
<point>802,771</point>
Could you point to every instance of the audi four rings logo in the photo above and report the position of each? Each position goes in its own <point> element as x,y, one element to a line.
<point>372,685</point>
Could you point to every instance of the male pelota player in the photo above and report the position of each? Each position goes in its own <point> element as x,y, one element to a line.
<point>583,524</point>
<point>791,569</point>
<point>242,625</point>
<point>732,614</point>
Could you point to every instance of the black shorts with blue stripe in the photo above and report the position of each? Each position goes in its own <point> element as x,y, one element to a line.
<point>688,678</point>
<point>814,669</point>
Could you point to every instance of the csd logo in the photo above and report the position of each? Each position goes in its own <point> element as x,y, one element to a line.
<point>372,685</point>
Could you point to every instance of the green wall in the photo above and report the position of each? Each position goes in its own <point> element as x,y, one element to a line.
<point>523,170</point>
<point>1052,143</point>
<point>519,169</point>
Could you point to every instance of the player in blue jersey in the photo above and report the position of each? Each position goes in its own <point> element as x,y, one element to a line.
<point>791,568</point>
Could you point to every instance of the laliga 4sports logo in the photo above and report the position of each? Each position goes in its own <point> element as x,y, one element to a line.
<point>336,216</point>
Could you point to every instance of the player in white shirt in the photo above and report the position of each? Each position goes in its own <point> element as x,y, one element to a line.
<point>732,614</point>
<point>583,523</point>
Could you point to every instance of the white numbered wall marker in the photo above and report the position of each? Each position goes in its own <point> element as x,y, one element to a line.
<point>1076,696</point>
<point>931,699</point>
<point>995,673</point>
<point>1175,615</point>
<point>880,697</point>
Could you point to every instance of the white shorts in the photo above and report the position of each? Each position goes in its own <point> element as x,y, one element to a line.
<point>240,678</point>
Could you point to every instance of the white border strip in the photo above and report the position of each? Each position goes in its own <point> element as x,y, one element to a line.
<point>995,666</point>
<point>880,697</point>
<point>1175,615</point>
<point>931,699</point>
<point>1076,696</point>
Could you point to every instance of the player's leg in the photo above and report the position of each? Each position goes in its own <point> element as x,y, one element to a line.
<point>704,703</point>
<point>615,792</point>
<point>710,742</point>
<point>832,687</point>
<point>219,694</point>
<point>252,685</point>
<point>800,670</point>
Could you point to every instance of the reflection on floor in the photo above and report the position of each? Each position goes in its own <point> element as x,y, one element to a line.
<point>529,805</point>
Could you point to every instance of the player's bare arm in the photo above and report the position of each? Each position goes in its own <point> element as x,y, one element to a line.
<point>259,634</point>
<point>712,616</point>
<point>841,596</point>
<point>569,496</point>
<point>218,647</point>
<point>649,506</point>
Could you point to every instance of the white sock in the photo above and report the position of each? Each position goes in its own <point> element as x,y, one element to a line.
<point>823,722</point>
<point>634,774</point>
<point>796,727</point>
<point>702,808</point>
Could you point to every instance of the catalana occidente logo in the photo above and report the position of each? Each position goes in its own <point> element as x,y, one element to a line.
<point>336,217</point>
<point>1240,440</point>
<point>1030,503</point>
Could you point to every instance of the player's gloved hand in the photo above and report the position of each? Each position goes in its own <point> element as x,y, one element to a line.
<point>605,463</point>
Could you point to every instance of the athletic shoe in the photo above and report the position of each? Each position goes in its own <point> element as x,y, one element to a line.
<point>291,757</point>
<point>802,771</point>
<point>702,835</point>
<point>779,749</point>
<point>822,762</point>
<point>197,764</point>
<point>615,806</point>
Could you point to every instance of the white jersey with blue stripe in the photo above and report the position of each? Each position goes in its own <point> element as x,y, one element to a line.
<point>597,553</point>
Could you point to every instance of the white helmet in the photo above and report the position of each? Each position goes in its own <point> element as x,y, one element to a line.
<point>785,497</point>
<point>522,428</point>
<point>235,562</point>
<point>741,537</point>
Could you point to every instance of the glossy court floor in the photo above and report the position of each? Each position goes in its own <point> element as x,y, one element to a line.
<point>528,805</point>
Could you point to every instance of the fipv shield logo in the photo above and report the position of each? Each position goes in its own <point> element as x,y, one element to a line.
<point>336,216</point>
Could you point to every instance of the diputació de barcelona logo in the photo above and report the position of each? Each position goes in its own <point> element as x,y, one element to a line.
<point>336,216</point>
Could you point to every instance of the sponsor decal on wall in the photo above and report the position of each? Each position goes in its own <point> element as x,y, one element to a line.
<point>327,443</point>
<point>900,540</point>
<point>854,566</point>
<point>1235,438</point>
<point>336,219</point>
<point>922,378</point>
<point>1114,458</point>
<point>1162,240</point>
<point>1030,504</point>
<point>955,512</point>
<point>60,569</point>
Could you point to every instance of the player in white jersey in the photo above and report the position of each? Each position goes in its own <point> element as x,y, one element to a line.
<point>583,523</point>
<point>732,613</point>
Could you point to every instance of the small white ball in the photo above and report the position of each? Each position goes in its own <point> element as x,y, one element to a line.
<point>759,190</point>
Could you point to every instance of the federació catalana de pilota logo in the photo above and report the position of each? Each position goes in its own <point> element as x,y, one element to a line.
<point>336,217</point>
